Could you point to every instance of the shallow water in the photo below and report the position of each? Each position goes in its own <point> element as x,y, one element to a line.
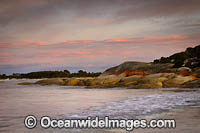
<point>17,101</point>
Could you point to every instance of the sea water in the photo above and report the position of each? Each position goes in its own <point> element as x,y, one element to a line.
<point>18,101</point>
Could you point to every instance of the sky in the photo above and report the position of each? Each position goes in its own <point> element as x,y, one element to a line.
<point>93,35</point>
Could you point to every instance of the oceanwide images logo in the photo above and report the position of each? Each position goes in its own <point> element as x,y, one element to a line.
<point>106,123</point>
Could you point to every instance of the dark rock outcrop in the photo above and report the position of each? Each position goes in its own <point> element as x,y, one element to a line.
<point>189,58</point>
<point>192,84</point>
<point>139,68</point>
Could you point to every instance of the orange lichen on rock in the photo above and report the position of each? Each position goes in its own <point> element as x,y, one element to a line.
<point>131,73</point>
<point>184,72</point>
<point>194,76</point>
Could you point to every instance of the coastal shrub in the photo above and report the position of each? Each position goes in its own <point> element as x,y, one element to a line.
<point>50,74</point>
<point>179,58</point>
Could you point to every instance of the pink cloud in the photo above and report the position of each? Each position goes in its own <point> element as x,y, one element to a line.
<point>78,41</point>
<point>167,37</point>
<point>81,53</point>
<point>23,43</point>
<point>66,52</point>
<point>118,40</point>
<point>9,45</point>
<point>90,53</point>
<point>4,54</point>
<point>149,39</point>
<point>38,43</point>
<point>104,52</point>
<point>126,52</point>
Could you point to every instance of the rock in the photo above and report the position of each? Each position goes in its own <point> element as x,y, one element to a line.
<point>192,62</point>
<point>109,76</point>
<point>104,82</point>
<point>129,81</point>
<point>184,71</point>
<point>93,82</point>
<point>25,83</point>
<point>74,82</point>
<point>138,68</point>
<point>189,58</point>
<point>196,72</point>
<point>160,80</point>
<point>192,84</point>
<point>122,75</point>
<point>176,81</point>
<point>110,82</point>
<point>126,66</point>
<point>149,83</point>
<point>159,75</point>
<point>128,73</point>
<point>157,80</point>
<point>54,81</point>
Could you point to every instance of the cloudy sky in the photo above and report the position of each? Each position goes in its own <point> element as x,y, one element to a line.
<point>93,34</point>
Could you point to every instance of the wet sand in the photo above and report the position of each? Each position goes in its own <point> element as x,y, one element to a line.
<point>187,121</point>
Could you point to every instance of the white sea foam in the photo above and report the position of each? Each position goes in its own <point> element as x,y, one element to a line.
<point>143,105</point>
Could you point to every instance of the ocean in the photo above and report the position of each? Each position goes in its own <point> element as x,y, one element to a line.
<point>18,101</point>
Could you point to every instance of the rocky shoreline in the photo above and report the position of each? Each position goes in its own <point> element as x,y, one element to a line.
<point>179,70</point>
<point>158,80</point>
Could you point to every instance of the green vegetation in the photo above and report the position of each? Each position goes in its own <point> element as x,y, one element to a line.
<point>189,58</point>
<point>82,73</point>
<point>3,76</point>
<point>50,74</point>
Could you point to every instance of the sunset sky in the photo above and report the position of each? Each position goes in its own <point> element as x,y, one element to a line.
<point>93,35</point>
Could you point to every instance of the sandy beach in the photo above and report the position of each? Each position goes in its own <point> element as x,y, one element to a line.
<point>187,121</point>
